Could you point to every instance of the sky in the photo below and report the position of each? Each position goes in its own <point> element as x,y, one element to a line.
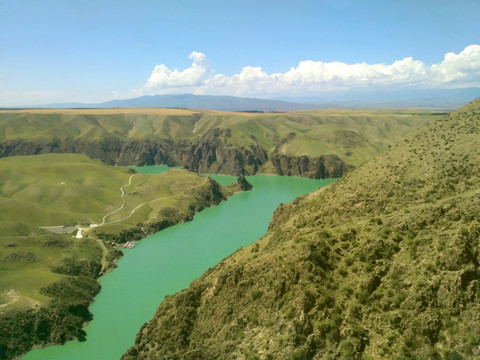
<point>54,51</point>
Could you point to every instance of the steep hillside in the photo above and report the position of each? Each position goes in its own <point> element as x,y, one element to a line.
<point>48,271</point>
<point>317,144</point>
<point>383,264</point>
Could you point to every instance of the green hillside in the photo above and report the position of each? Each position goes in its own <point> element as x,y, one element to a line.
<point>48,274</point>
<point>383,264</point>
<point>320,143</point>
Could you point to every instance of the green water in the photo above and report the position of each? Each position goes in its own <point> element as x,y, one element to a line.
<point>168,261</point>
<point>153,169</point>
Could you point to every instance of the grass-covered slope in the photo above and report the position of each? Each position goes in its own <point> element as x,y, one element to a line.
<point>321,143</point>
<point>383,264</point>
<point>48,275</point>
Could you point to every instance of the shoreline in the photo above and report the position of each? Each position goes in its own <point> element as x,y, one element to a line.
<point>113,262</point>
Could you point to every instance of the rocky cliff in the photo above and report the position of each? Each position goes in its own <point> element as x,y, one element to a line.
<point>328,166</point>
<point>209,154</point>
<point>305,144</point>
<point>212,153</point>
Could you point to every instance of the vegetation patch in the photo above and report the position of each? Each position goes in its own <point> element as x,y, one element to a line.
<point>49,272</point>
<point>317,143</point>
<point>383,264</point>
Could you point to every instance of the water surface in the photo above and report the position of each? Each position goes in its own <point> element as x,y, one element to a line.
<point>153,169</point>
<point>169,261</point>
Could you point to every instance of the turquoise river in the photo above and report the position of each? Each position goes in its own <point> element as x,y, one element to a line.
<point>170,260</point>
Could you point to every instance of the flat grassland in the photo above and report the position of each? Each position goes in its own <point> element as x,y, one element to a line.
<point>72,190</point>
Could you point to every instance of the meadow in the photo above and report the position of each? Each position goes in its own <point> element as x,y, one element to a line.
<point>40,191</point>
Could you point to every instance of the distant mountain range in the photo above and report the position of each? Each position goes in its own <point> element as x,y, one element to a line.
<point>210,102</point>
<point>440,99</point>
<point>448,99</point>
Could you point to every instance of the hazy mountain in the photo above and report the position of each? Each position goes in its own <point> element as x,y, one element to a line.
<point>210,102</point>
<point>392,99</point>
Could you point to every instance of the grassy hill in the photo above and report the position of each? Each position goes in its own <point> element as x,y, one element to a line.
<point>48,275</point>
<point>383,264</point>
<point>320,143</point>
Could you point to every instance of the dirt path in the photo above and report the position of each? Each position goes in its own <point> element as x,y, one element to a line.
<point>148,202</point>
<point>104,261</point>
<point>123,199</point>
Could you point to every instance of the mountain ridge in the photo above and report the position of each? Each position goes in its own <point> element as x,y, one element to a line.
<point>316,143</point>
<point>382,264</point>
<point>203,102</point>
<point>440,99</point>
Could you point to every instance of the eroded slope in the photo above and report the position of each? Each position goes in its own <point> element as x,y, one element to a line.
<point>382,264</point>
<point>317,144</point>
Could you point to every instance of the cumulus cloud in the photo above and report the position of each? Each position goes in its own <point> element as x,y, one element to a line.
<point>309,77</point>
<point>460,69</point>
<point>163,80</point>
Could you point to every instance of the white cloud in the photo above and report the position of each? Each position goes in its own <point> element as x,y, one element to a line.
<point>460,69</point>
<point>163,79</point>
<point>309,77</point>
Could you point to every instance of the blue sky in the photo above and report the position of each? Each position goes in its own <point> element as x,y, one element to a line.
<point>97,50</point>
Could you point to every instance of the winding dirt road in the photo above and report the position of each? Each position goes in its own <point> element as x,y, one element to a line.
<point>104,222</point>
<point>145,203</point>
<point>123,199</point>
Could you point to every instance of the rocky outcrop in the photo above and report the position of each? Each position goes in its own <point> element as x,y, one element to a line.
<point>211,153</point>
<point>328,166</point>
<point>148,152</point>
<point>106,150</point>
<point>244,184</point>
